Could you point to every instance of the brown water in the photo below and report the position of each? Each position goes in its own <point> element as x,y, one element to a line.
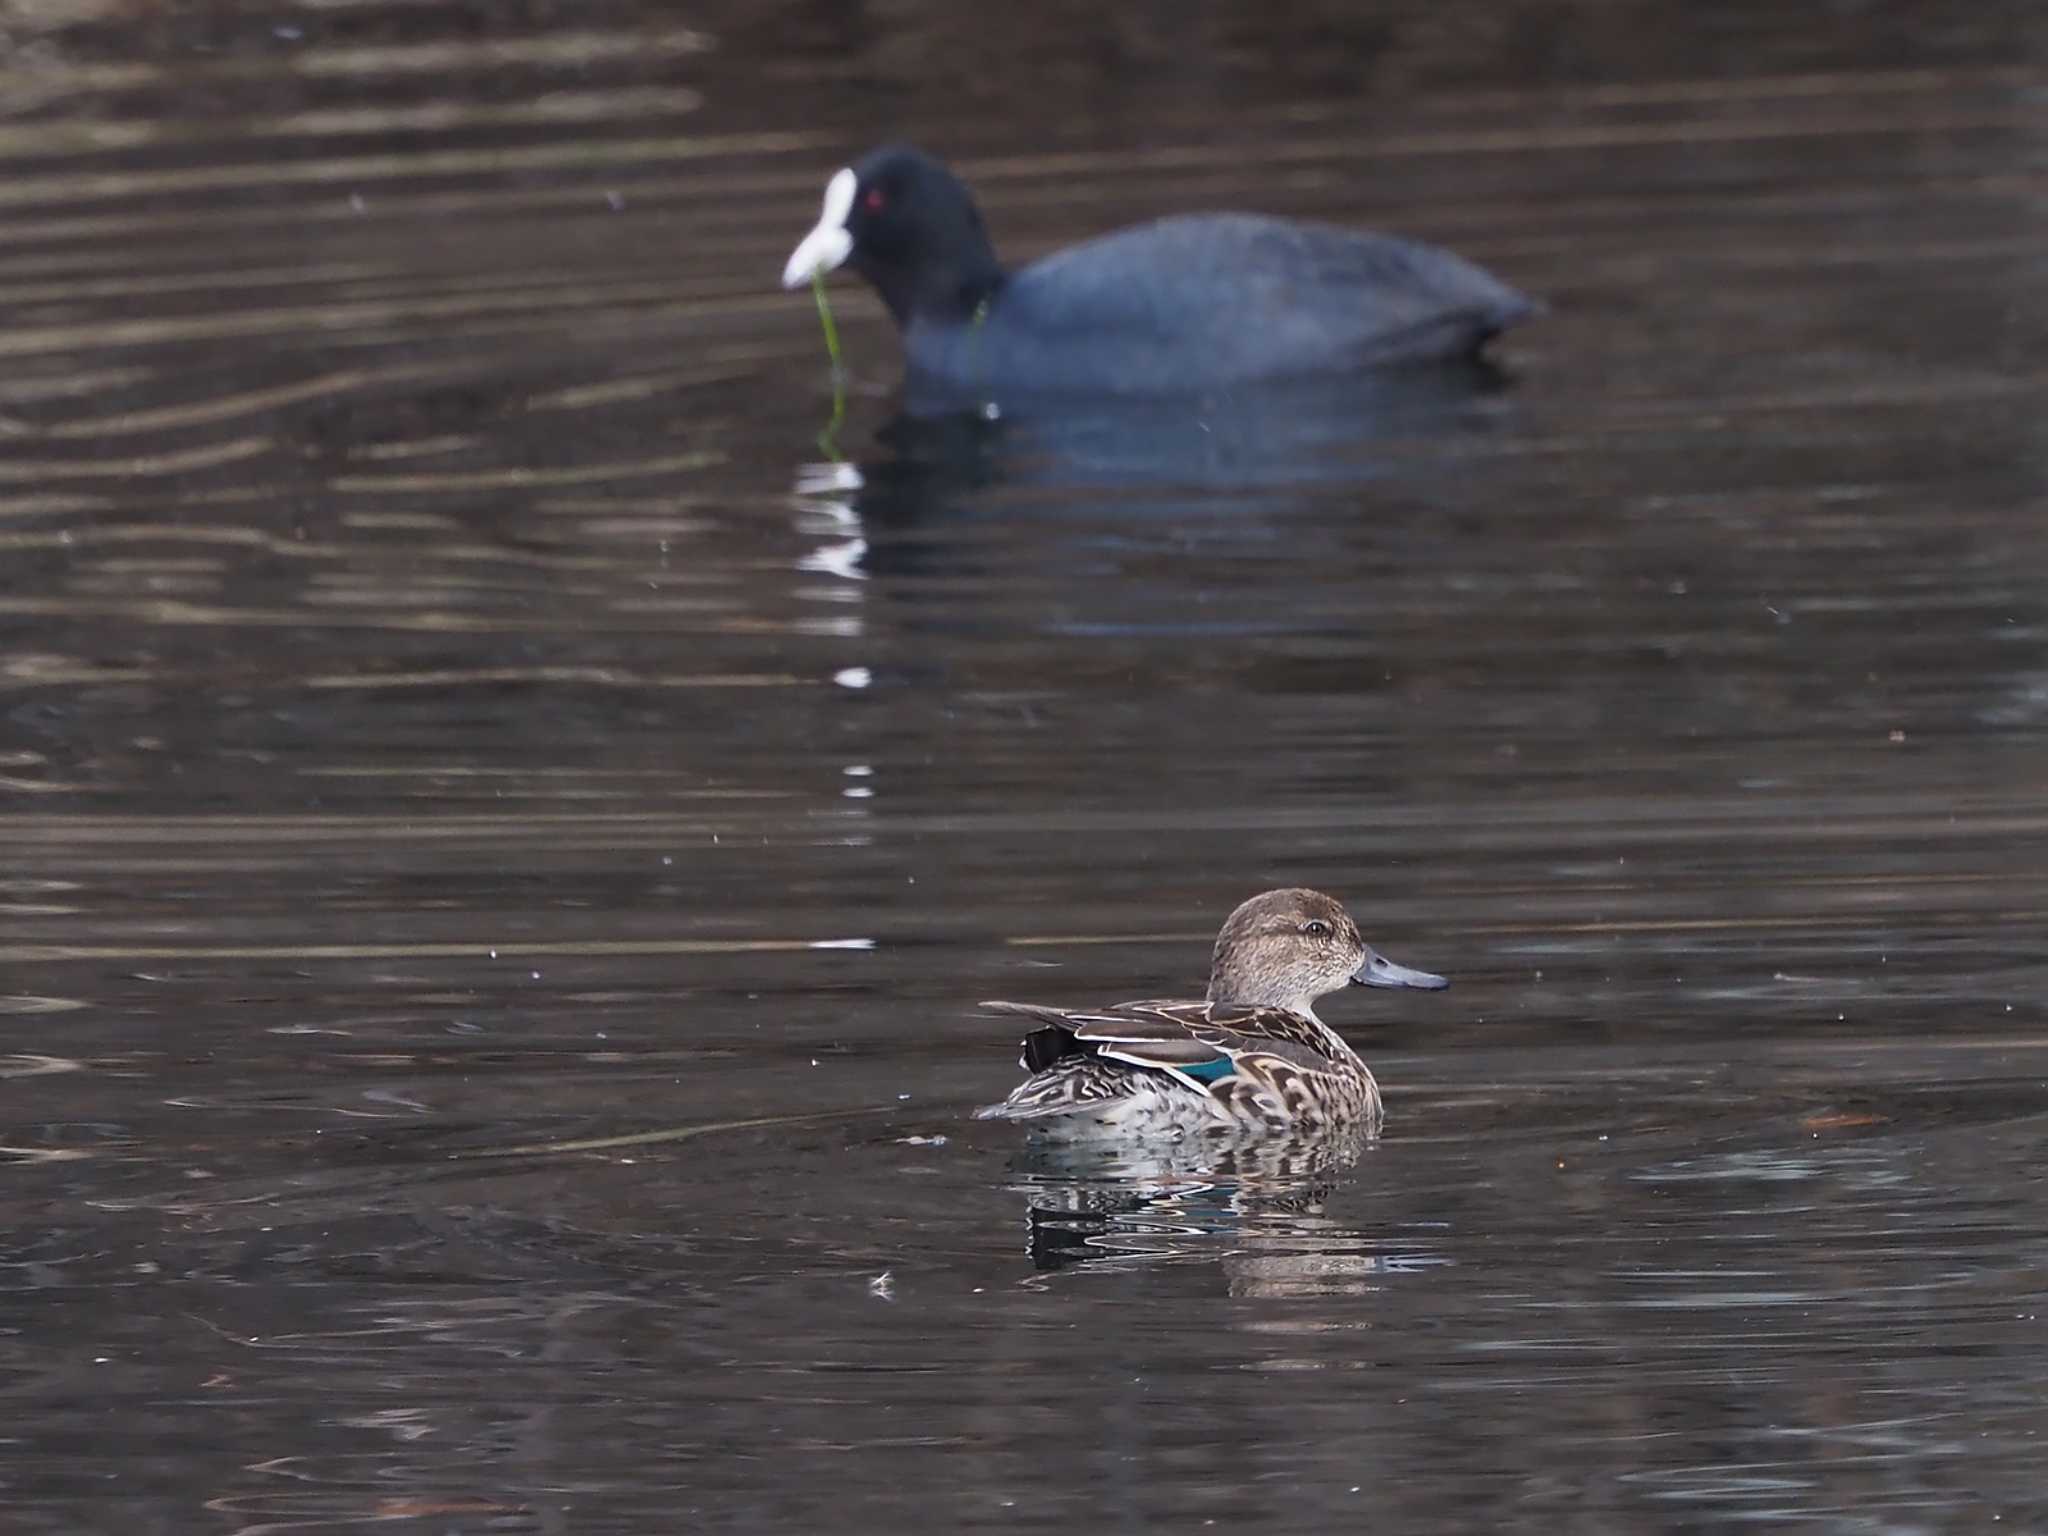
<point>503,838</point>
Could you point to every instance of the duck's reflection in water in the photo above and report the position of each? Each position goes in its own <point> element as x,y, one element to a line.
<point>1257,1207</point>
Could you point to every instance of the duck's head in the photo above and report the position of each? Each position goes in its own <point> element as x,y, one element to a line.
<point>905,223</point>
<point>1285,949</point>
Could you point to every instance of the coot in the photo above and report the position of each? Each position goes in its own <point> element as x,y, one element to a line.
<point>1185,303</point>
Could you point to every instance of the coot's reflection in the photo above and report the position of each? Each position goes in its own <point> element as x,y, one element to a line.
<point>950,462</point>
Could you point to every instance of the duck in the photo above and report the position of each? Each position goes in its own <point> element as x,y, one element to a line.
<point>1250,1056</point>
<point>1187,303</point>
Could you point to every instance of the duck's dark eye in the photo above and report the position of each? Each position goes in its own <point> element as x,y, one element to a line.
<point>875,200</point>
<point>1316,928</point>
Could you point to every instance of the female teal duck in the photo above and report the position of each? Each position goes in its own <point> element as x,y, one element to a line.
<point>1251,1056</point>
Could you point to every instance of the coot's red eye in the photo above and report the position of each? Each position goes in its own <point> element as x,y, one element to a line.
<point>874,200</point>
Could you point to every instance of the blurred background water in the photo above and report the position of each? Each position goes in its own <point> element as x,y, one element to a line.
<point>503,835</point>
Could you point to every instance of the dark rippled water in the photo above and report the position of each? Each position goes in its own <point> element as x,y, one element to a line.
<point>501,836</point>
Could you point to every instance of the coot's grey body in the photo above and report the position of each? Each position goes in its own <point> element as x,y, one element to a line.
<point>1186,303</point>
<point>1215,299</point>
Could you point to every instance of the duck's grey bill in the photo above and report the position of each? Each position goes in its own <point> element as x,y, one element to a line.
<point>828,245</point>
<point>1379,971</point>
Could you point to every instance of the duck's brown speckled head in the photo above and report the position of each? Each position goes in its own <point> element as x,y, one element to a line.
<point>1286,948</point>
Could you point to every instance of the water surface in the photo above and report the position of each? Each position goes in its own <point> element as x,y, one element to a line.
<point>503,835</point>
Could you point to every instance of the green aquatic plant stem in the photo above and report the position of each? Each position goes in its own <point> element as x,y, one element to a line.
<point>828,439</point>
<point>825,319</point>
<point>974,326</point>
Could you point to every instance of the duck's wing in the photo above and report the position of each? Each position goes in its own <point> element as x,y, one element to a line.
<point>1167,1035</point>
<point>1246,1030</point>
<point>1197,1041</point>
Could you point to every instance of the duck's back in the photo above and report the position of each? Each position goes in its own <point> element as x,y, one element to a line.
<point>1208,299</point>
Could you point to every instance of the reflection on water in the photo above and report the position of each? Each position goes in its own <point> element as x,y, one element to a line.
<point>1180,1200</point>
<point>1296,431</point>
<point>502,843</point>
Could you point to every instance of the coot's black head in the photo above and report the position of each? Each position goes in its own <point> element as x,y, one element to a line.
<point>905,223</point>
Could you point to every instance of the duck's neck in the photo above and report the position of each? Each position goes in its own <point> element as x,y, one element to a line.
<point>1300,1007</point>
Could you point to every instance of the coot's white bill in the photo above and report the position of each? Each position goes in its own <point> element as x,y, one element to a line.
<point>829,244</point>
